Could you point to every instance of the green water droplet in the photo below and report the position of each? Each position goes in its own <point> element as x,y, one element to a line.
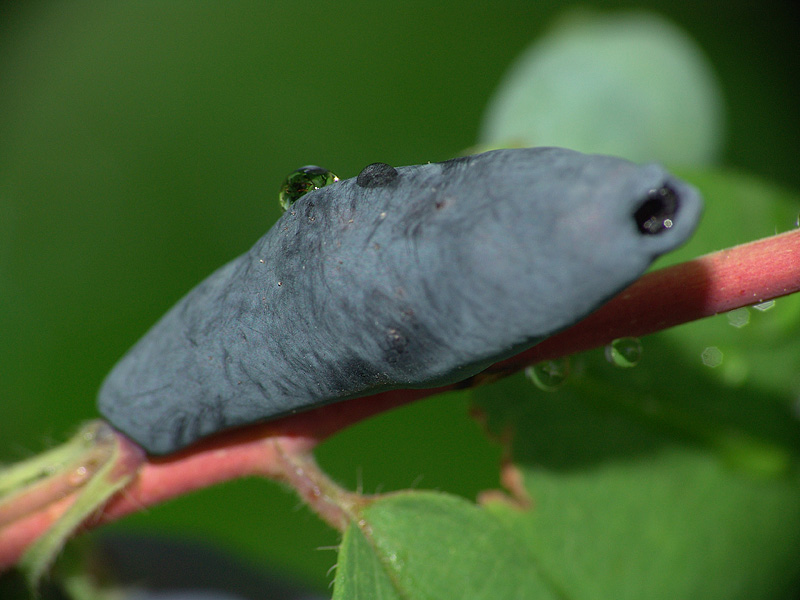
<point>305,179</point>
<point>549,375</point>
<point>712,357</point>
<point>739,317</point>
<point>624,352</point>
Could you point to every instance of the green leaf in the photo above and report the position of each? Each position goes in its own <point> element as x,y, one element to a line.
<point>636,498</point>
<point>627,84</point>
<point>668,479</point>
<point>430,545</point>
<point>760,347</point>
<point>360,572</point>
<point>672,478</point>
<point>739,207</point>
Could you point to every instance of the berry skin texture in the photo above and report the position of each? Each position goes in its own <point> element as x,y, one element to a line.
<point>407,277</point>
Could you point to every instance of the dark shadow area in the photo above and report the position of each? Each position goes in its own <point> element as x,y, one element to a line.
<point>604,413</point>
<point>160,568</point>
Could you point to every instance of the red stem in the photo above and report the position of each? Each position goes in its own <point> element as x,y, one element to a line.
<point>718,282</point>
<point>722,281</point>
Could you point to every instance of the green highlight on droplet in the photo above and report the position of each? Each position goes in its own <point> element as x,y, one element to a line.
<point>549,375</point>
<point>624,352</point>
<point>302,181</point>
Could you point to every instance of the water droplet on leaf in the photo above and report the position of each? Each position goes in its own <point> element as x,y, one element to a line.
<point>711,357</point>
<point>624,352</point>
<point>764,306</point>
<point>549,375</point>
<point>739,317</point>
<point>305,179</point>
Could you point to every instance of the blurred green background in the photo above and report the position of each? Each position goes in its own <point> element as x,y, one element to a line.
<point>142,145</point>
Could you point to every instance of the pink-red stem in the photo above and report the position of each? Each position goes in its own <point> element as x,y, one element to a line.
<point>732,278</point>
